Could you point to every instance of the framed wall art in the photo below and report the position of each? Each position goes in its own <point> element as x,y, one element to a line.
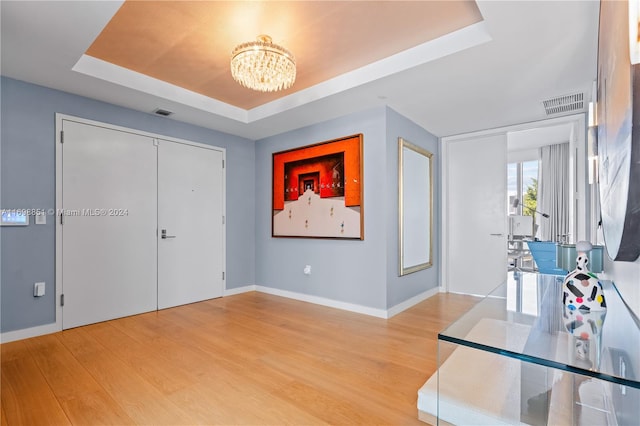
<point>318,190</point>
<point>618,135</point>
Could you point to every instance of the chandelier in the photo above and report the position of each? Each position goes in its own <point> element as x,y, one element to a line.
<point>262,65</point>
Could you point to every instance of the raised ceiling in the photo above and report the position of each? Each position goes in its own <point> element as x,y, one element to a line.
<point>188,43</point>
<point>480,74</point>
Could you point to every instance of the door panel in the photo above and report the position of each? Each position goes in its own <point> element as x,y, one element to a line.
<point>477,222</point>
<point>109,252</point>
<point>190,210</point>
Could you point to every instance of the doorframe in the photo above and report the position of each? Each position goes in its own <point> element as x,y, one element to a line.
<point>578,168</point>
<point>59,118</point>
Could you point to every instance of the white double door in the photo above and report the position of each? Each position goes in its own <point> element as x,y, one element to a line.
<point>143,223</point>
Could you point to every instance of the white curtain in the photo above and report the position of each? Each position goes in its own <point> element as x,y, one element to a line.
<point>553,192</point>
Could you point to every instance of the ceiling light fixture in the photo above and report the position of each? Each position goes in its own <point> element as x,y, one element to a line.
<point>262,65</point>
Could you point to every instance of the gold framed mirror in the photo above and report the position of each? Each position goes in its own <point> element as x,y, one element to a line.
<point>415,208</point>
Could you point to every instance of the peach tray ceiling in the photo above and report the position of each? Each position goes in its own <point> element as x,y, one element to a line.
<point>188,43</point>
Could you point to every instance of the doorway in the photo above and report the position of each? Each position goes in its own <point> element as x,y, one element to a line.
<point>467,228</point>
<point>117,189</point>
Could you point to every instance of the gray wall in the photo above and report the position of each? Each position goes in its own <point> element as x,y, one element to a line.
<point>346,270</point>
<point>358,272</point>
<point>402,288</point>
<point>28,181</point>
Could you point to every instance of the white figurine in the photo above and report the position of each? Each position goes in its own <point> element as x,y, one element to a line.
<point>581,289</point>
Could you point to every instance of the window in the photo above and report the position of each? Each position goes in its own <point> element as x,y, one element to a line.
<point>522,183</point>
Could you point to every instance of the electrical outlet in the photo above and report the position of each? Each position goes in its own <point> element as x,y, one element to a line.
<point>38,289</point>
<point>307,270</point>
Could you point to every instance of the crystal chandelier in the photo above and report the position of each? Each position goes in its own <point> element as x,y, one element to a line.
<point>263,66</point>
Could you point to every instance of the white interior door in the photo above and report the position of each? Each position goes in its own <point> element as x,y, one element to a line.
<point>109,251</point>
<point>476,222</point>
<point>190,214</point>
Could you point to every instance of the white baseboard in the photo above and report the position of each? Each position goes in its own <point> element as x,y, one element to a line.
<point>239,290</point>
<point>25,333</point>
<point>352,307</point>
<point>403,306</point>
<point>380,313</point>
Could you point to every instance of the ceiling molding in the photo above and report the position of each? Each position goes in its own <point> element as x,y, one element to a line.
<point>107,71</point>
<point>465,38</point>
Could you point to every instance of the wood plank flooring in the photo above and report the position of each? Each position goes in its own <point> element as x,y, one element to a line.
<point>252,359</point>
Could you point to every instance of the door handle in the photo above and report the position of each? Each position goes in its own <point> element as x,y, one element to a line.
<point>496,235</point>
<point>164,236</point>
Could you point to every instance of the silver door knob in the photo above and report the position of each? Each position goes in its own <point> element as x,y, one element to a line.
<point>164,236</point>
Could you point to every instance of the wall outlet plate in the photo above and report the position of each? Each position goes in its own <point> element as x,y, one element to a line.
<point>38,289</point>
<point>41,219</point>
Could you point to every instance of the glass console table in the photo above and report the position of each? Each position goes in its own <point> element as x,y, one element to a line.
<point>520,357</point>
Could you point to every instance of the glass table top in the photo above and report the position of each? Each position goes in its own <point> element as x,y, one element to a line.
<point>604,344</point>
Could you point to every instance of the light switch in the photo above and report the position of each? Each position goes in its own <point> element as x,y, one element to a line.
<point>41,219</point>
<point>38,289</point>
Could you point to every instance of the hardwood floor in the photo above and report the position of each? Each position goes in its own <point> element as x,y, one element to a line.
<point>252,358</point>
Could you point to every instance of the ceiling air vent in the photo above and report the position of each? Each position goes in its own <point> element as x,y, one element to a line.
<point>162,112</point>
<point>565,103</point>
